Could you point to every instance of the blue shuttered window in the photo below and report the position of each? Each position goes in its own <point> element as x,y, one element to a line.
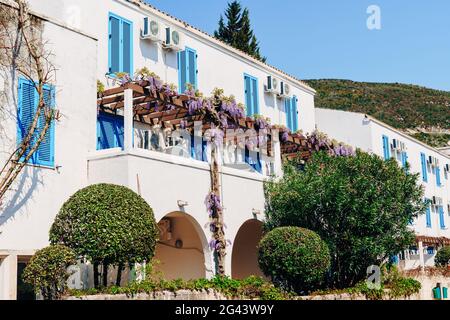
<point>251,95</point>
<point>120,45</point>
<point>428,213</point>
<point>110,131</point>
<point>386,148</point>
<point>28,100</point>
<point>290,105</point>
<point>438,176</point>
<point>253,159</point>
<point>423,161</point>
<point>199,148</point>
<point>441,217</point>
<point>404,158</point>
<point>187,69</point>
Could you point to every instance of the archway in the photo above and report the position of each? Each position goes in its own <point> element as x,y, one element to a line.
<point>183,249</point>
<point>244,257</point>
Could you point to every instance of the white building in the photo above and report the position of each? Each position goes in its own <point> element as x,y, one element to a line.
<point>90,40</point>
<point>371,135</point>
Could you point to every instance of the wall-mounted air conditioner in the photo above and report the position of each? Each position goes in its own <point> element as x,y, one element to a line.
<point>436,201</point>
<point>151,30</point>
<point>398,145</point>
<point>433,161</point>
<point>173,40</point>
<point>165,230</point>
<point>272,85</point>
<point>285,90</point>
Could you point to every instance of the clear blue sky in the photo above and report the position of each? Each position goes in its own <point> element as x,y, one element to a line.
<point>330,38</point>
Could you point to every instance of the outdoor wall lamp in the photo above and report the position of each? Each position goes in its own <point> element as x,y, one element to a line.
<point>182,203</point>
<point>256,211</point>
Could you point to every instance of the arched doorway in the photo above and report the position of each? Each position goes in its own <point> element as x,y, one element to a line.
<point>183,249</point>
<point>244,257</point>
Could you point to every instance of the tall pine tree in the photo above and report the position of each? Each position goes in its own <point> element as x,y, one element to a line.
<point>238,32</point>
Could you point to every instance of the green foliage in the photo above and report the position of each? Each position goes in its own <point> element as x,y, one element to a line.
<point>399,105</point>
<point>47,270</point>
<point>393,286</point>
<point>442,258</point>
<point>100,87</point>
<point>238,31</point>
<point>434,140</point>
<point>250,288</point>
<point>107,224</point>
<point>360,206</point>
<point>295,258</point>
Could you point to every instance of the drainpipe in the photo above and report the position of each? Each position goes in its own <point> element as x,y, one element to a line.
<point>128,120</point>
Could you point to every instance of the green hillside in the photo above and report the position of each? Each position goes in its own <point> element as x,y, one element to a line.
<point>402,106</point>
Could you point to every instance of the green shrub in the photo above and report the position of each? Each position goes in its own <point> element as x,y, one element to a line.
<point>250,288</point>
<point>361,206</point>
<point>295,258</point>
<point>47,270</point>
<point>107,224</point>
<point>442,258</point>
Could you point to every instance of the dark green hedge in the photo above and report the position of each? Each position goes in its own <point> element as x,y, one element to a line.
<point>47,270</point>
<point>442,258</point>
<point>295,258</point>
<point>107,224</point>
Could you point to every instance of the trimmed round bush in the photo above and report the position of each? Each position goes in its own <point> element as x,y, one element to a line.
<point>107,224</point>
<point>47,270</point>
<point>442,258</point>
<point>294,258</point>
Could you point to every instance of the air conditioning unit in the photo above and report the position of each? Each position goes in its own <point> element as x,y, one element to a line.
<point>165,230</point>
<point>173,40</point>
<point>436,201</point>
<point>433,161</point>
<point>151,30</point>
<point>285,90</point>
<point>272,85</point>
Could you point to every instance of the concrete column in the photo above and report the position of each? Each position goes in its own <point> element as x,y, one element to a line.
<point>8,277</point>
<point>128,120</point>
<point>276,149</point>
<point>421,255</point>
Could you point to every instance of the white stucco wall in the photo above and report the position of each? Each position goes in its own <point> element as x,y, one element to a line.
<point>38,193</point>
<point>218,65</point>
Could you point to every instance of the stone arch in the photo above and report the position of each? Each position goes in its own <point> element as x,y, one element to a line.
<point>244,256</point>
<point>183,249</point>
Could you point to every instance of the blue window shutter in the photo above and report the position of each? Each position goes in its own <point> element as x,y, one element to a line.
<point>424,167</point>
<point>114,44</point>
<point>248,96</point>
<point>404,159</point>
<point>441,217</point>
<point>193,146</point>
<point>386,147</point>
<point>438,176</point>
<point>110,131</point>
<point>428,214</point>
<point>204,150</point>
<point>294,114</point>
<point>255,101</point>
<point>105,132</point>
<point>127,54</point>
<point>45,152</point>
<point>253,159</point>
<point>119,132</point>
<point>287,107</point>
<point>182,71</point>
<point>191,67</point>
<point>26,109</point>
